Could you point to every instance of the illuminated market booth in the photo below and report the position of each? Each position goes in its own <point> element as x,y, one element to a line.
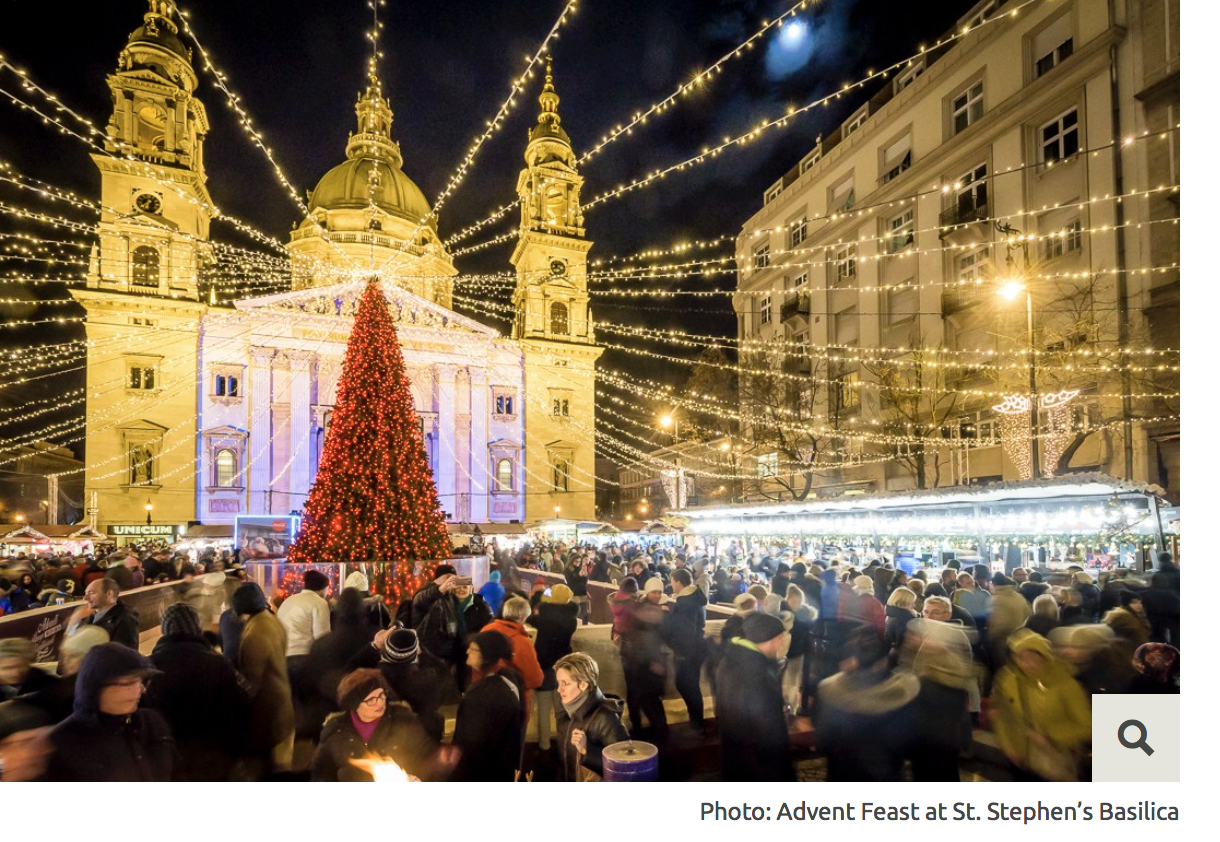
<point>1088,519</point>
<point>48,538</point>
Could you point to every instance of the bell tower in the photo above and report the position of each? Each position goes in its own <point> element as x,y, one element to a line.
<point>553,324</point>
<point>155,223</point>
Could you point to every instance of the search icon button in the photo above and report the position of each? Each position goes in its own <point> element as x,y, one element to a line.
<point>1141,743</point>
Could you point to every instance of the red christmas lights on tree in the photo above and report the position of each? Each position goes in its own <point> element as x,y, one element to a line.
<point>374,497</point>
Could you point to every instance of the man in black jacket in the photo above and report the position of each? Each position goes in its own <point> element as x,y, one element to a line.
<point>200,694</point>
<point>108,737</point>
<point>683,632</point>
<point>411,613</point>
<point>103,609</point>
<point>750,705</point>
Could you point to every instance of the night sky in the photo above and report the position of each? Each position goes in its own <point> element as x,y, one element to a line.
<point>299,66</point>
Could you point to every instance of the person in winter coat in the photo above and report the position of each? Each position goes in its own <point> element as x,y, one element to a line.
<point>646,665</point>
<point>865,714</point>
<point>899,611</point>
<point>796,670</point>
<point>18,675</point>
<point>305,617</point>
<point>941,658</point>
<point>556,620</point>
<point>1099,661</point>
<point>754,743</point>
<point>490,730</point>
<point>1044,617</point>
<point>262,662</point>
<point>683,631</point>
<point>453,616</point>
<point>411,613</point>
<point>576,573</point>
<point>374,604</point>
<point>587,721</point>
<point>1090,595</point>
<point>371,727</point>
<point>109,737</point>
<point>102,608</point>
<point>200,696</point>
<point>316,689</point>
<point>1129,624</point>
<point>421,680</point>
<point>525,659</point>
<point>1041,716</point>
<point>865,608</point>
<point>493,592</point>
<point>622,607</point>
<point>1009,611</point>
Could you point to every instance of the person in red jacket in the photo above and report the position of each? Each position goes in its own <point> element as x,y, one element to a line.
<point>525,659</point>
<point>864,607</point>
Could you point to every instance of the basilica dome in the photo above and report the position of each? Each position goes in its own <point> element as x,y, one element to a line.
<point>347,186</point>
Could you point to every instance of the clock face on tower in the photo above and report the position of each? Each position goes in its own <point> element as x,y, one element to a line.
<point>558,268</point>
<point>148,203</point>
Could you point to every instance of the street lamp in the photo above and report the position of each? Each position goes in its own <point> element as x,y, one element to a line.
<point>670,418</point>
<point>148,512</point>
<point>1010,289</point>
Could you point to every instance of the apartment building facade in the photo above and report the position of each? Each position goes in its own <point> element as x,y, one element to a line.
<point>1017,183</point>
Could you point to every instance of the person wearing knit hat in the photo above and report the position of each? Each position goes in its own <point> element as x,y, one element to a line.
<point>356,580</point>
<point>750,706</point>
<point>490,728</point>
<point>371,725</point>
<point>1042,717</point>
<point>401,647</point>
<point>195,677</point>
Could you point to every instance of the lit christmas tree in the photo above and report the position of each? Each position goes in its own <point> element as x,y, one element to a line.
<point>374,497</point>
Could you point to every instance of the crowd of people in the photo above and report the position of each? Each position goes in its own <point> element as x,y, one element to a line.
<point>884,672</point>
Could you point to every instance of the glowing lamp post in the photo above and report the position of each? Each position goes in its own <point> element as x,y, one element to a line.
<point>1010,289</point>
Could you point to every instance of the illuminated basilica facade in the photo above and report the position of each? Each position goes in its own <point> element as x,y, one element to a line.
<point>204,411</point>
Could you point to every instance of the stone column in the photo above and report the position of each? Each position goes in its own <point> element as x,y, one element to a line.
<point>301,399</point>
<point>258,409</point>
<point>446,460</point>
<point>480,481</point>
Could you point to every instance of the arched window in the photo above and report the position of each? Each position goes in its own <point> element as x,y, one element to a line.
<point>226,468</point>
<point>146,267</point>
<point>504,475</point>
<point>559,318</point>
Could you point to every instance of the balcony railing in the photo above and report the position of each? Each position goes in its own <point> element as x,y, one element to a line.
<point>793,306</point>
<point>965,211</point>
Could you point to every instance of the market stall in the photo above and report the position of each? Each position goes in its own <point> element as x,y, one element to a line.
<point>1092,520</point>
<point>49,538</point>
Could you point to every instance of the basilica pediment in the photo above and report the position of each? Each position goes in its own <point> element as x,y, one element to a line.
<point>407,309</point>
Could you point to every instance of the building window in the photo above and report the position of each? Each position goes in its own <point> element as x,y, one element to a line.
<point>800,280</point>
<point>901,303</point>
<point>768,465</point>
<point>773,194</point>
<point>1060,138</point>
<point>762,256</point>
<point>1053,58</point>
<point>845,263</point>
<point>847,327</point>
<point>811,159</point>
<point>559,318</point>
<point>504,475</point>
<point>856,121</point>
<point>1052,45</point>
<point>561,470</point>
<point>226,468</point>
<point>848,390</point>
<point>906,77</point>
<point>142,376</point>
<point>226,386</point>
<point>764,310</point>
<point>1064,241</point>
<point>983,14</point>
<point>972,193</point>
<point>977,427</point>
<point>504,403</point>
<point>901,231</point>
<point>798,231</point>
<point>842,197</point>
<point>967,107</point>
<point>970,267</point>
<point>560,406</point>
<point>146,267</point>
<point>141,463</point>
<point>896,159</point>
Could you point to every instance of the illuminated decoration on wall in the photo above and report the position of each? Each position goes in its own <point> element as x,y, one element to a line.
<point>1058,433</point>
<point>374,496</point>
<point>1014,433</point>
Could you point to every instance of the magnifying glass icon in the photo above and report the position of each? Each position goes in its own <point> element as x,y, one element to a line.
<point>1141,743</point>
